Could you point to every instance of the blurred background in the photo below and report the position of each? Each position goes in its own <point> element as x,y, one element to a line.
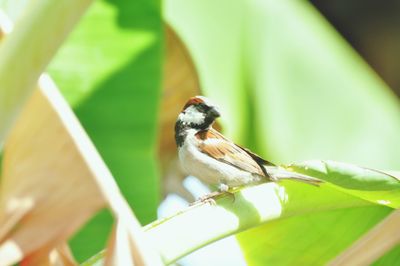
<point>295,80</point>
<point>372,29</point>
<point>299,80</point>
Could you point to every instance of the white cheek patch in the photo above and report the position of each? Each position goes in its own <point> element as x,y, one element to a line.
<point>192,116</point>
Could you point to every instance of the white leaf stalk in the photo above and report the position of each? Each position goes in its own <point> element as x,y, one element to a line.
<point>25,53</point>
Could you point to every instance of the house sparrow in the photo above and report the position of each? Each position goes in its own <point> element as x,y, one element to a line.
<point>207,154</point>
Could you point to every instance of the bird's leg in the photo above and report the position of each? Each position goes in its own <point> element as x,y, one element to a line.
<point>209,198</point>
<point>223,188</point>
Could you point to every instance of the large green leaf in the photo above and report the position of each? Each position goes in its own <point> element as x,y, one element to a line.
<point>110,72</point>
<point>309,239</point>
<point>300,208</point>
<point>314,98</point>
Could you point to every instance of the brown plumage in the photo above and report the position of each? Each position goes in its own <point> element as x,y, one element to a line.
<point>208,155</point>
<point>215,145</point>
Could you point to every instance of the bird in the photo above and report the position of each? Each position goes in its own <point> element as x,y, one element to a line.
<point>210,156</point>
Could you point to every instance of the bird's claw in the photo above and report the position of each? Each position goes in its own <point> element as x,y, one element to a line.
<point>210,198</point>
<point>205,199</point>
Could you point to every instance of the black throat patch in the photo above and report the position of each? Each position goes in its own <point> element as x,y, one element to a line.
<point>180,132</point>
<point>181,129</point>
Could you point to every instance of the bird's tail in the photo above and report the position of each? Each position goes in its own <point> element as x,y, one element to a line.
<point>278,173</point>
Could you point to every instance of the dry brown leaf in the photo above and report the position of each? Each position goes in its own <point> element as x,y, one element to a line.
<point>60,256</point>
<point>121,250</point>
<point>48,189</point>
<point>179,84</point>
<point>128,244</point>
<point>53,181</point>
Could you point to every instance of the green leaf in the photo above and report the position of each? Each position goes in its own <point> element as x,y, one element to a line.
<point>311,239</point>
<point>288,205</point>
<point>369,184</point>
<point>310,96</point>
<point>110,72</point>
<point>251,206</point>
<point>347,175</point>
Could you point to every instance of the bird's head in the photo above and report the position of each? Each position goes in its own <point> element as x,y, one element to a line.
<point>198,113</point>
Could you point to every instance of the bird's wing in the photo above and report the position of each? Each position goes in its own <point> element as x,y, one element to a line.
<point>257,157</point>
<point>218,147</point>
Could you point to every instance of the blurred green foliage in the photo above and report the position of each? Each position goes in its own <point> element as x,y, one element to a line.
<point>313,98</point>
<point>110,72</point>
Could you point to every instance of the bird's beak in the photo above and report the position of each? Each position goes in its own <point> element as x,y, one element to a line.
<point>215,112</point>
